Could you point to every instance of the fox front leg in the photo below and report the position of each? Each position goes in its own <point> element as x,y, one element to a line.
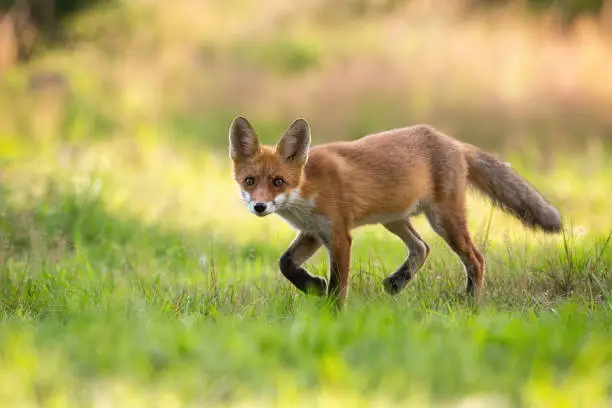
<point>339,261</point>
<point>302,248</point>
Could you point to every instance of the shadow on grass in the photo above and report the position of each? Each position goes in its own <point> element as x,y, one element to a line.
<point>66,252</point>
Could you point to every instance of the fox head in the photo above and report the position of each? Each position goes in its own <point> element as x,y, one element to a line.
<point>267,175</point>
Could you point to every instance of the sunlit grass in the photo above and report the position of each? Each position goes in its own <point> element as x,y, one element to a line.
<point>137,276</point>
<point>193,189</point>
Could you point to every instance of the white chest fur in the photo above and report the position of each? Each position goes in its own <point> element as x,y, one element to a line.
<point>299,212</point>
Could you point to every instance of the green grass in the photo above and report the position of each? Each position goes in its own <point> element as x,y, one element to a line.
<point>122,281</point>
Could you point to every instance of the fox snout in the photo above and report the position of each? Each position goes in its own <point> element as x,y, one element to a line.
<point>261,207</point>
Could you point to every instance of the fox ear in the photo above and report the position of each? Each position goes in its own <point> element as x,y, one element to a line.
<point>243,141</point>
<point>293,145</point>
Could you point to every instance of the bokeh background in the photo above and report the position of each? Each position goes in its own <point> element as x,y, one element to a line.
<point>503,74</point>
<point>126,254</point>
<point>529,80</point>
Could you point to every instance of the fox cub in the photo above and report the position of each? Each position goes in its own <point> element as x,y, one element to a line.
<point>325,191</point>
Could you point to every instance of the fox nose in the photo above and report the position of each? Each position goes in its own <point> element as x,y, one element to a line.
<point>259,207</point>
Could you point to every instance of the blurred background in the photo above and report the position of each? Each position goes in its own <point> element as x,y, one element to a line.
<point>498,73</point>
<point>142,92</point>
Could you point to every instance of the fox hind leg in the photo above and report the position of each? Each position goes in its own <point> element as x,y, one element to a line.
<point>449,221</point>
<point>418,250</point>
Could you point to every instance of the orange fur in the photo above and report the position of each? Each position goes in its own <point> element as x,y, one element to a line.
<point>387,177</point>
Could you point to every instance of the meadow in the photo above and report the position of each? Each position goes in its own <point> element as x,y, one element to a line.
<point>131,274</point>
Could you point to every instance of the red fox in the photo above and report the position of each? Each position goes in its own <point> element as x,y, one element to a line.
<point>325,191</point>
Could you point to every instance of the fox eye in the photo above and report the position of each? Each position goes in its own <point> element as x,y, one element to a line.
<point>249,181</point>
<point>278,182</point>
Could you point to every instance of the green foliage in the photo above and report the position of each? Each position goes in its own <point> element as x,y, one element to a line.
<point>569,9</point>
<point>284,55</point>
<point>59,8</point>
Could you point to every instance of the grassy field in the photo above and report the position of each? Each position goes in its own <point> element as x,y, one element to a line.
<point>146,282</point>
<point>132,275</point>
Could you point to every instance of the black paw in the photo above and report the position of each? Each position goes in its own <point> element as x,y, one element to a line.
<point>394,284</point>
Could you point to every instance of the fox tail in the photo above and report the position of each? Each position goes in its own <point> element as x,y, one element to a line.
<point>509,191</point>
